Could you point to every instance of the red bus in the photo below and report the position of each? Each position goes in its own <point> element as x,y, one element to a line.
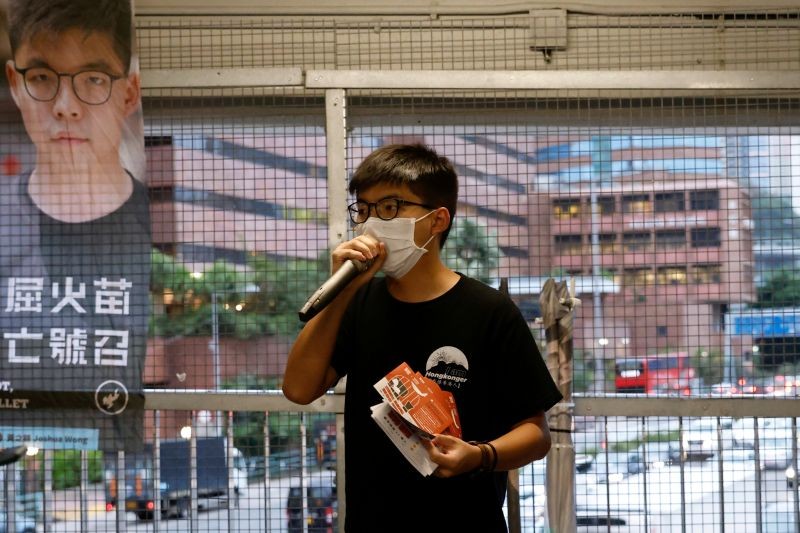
<point>667,373</point>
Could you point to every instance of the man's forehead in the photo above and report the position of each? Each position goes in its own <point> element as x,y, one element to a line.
<point>381,191</point>
<point>70,50</point>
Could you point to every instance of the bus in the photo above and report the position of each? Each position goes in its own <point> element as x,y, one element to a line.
<point>666,373</point>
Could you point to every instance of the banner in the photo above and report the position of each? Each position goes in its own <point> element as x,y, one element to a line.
<point>74,228</point>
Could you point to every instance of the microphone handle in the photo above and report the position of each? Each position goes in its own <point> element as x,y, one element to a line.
<point>331,288</point>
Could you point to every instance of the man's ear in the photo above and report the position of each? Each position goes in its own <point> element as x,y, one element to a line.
<point>441,220</point>
<point>133,93</point>
<point>13,80</point>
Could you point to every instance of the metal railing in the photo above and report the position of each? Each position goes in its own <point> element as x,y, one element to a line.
<point>633,420</point>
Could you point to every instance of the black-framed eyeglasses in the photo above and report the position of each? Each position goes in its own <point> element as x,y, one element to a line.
<point>385,209</point>
<point>92,87</point>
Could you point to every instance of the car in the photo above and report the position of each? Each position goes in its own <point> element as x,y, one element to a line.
<point>612,467</point>
<point>743,430</point>
<point>24,524</point>
<point>321,503</point>
<point>654,455</point>
<point>775,453</point>
<point>700,437</point>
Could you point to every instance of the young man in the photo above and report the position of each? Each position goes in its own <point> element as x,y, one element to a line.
<point>467,337</point>
<point>74,230</point>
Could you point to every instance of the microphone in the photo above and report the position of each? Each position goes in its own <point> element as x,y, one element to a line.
<point>328,290</point>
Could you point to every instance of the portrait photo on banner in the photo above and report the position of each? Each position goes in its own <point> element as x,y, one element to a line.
<point>75,238</point>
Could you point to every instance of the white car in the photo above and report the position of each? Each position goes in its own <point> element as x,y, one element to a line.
<point>743,430</point>
<point>775,453</point>
<point>700,438</point>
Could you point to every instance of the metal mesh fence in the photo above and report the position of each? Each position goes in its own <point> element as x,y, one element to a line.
<point>674,211</point>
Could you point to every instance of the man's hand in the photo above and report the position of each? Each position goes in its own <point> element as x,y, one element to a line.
<point>453,455</point>
<point>363,248</point>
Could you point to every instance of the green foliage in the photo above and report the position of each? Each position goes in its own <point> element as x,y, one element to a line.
<point>774,218</point>
<point>781,289</point>
<point>472,250</point>
<point>708,367</point>
<point>67,468</point>
<point>260,299</point>
<point>248,426</point>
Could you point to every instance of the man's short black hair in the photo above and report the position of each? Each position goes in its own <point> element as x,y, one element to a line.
<point>428,175</point>
<point>28,18</point>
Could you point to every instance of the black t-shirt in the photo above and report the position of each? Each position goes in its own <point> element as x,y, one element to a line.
<point>473,342</point>
<point>74,311</point>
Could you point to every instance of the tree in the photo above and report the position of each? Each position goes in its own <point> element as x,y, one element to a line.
<point>261,298</point>
<point>781,289</point>
<point>472,250</point>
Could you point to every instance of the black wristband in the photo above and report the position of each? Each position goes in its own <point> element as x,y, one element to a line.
<point>494,456</point>
<point>488,456</point>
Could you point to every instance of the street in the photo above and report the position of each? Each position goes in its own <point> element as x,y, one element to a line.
<point>664,498</point>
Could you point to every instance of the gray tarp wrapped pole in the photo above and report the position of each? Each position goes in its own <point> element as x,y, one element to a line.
<point>557,305</point>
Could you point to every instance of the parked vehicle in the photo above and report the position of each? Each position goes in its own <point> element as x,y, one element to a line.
<point>654,455</point>
<point>174,477</point>
<point>322,507</point>
<point>775,453</point>
<point>668,373</point>
<point>700,438</point>
<point>613,467</point>
<point>743,430</point>
<point>24,524</point>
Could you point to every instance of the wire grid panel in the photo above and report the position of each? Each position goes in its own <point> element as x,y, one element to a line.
<point>538,40</point>
<point>662,225</point>
<point>679,228</point>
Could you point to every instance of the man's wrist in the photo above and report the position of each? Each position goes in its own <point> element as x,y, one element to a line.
<point>488,457</point>
<point>476,457</point>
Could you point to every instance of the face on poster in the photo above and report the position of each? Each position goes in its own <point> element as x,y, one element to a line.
<point>74,224</point>
<point>76,83</point>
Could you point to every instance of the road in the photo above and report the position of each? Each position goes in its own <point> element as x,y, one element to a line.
<point>215,516</point>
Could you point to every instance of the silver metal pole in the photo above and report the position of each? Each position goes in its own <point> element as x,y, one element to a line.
<point>47,457</point>
<point>721,476</point>
<point>683,460</point>
<point>10,499</point>
<point>194,519</point>
<point>122,491</point>
<point>215,357</point>
<point>83,490</point>
<point>336,142</point>
<point>156,466</point>
<point>303,469</point>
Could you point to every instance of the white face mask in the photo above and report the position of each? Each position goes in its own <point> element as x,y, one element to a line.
<point>398,236</point>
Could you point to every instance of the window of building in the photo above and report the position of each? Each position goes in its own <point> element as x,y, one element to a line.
<point>567,208</point>
<point>706,238</point>
<point>669,239</point>
<point>607,205</point>
<point>704,200</point>
<point>637,203</point>
<point>636,242</point>
<point>638,276</point>
<point>669,202</point>
<point>608,243</point>
<point>568,244</point>
<point>671,275</point>
<point>661,331</point>
<point>708,273</point>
